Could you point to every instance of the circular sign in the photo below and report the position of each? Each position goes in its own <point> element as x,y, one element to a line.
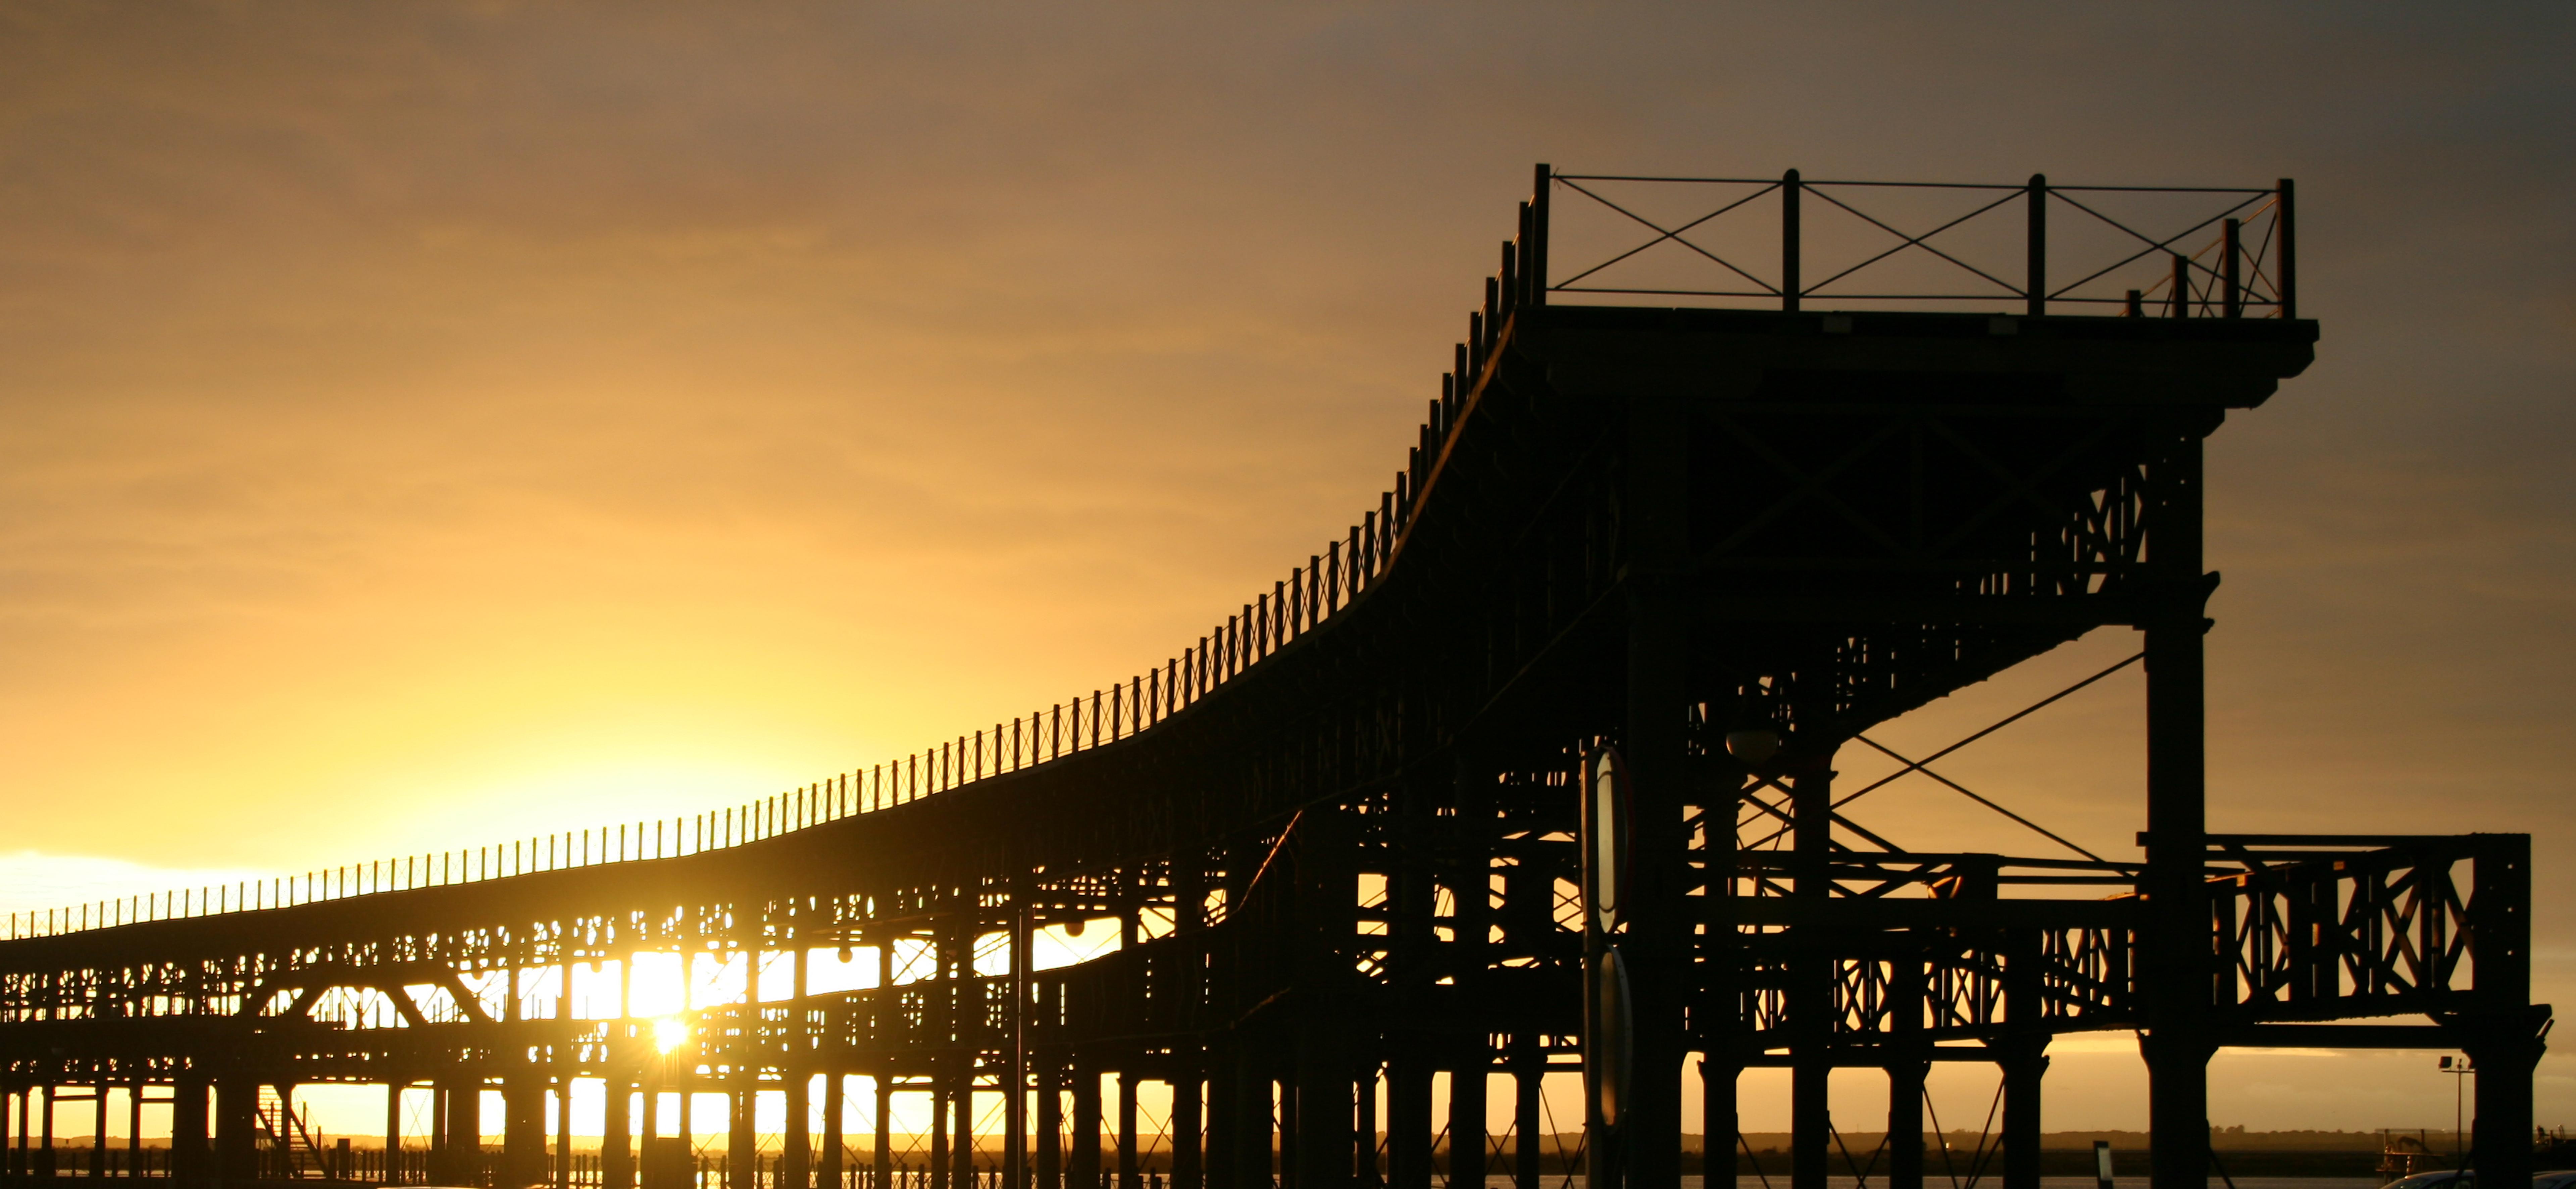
<point>1605,838</point>
<point>1610,1045</point>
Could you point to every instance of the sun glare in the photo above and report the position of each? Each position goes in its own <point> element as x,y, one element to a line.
<point>669,1033</point>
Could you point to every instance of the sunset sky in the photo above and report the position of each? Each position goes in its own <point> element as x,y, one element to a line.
<point>424,424</point>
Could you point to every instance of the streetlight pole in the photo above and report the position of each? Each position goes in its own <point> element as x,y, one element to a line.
<point>2459,1069</point>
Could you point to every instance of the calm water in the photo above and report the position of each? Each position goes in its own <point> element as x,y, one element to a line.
<point>1933,1180</point>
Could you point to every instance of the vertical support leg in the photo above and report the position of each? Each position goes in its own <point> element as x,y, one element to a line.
<point>1324,1133</point>
<point>1810,1124</point>
<point>1473,908</point>
<point>1905,1123</point>
<point>616,1138</point>
<point>1364,1153</point>
<point>741,1152</point>
<point>939,1114</point>
<point>1050,1137</point>
<point>2177,1043</point>
<point>1254,1146</point>
<point>1186,1111</point>
<point>236,1129</point>
<point>836,1089</point>
<point>523,1129</point>
<point>2023,1066</point>
<point>795,1159</point>
<point>1084,1162</point>
<point>190,1163</point>
<point>1719,1123</point>
<point>2501,1131</point>
<point>1289,1177</point>
<point>465,1132</point>
<point>1529,1126</point>
<point>393,1133</point>
<point>1129,1176</point>
<point>2506,1042</point>
<point>1811,989</point>
<point>882,1159</point>
<point>1224,1118</point>
<point>563,1133</point>
<point>962,1148</point>
<point>1655,741</point>
<point>1906,1072</point>
<point>1408,1119</point>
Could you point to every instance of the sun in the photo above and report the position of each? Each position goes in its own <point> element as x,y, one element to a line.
<point>670,1032</point>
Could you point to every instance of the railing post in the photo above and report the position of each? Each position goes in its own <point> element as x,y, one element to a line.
<point>2178,295</point>
<point>1535,273</point>
<point>2035,283</point>
<point>1789,242</point>
<point>2231,302</point>
<point>2287,264</point>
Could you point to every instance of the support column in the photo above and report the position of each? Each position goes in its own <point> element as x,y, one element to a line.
<point>795,1162</point>
<point>563,1129</point>
<point>1906,1070</point>
<point>191,1160</point>
<point>1186,1109</point>
<point>962,1148</point>
<point>1015,1072</point>
<point>2503,1041</point>
<point>1656,525</point>
<point>1050,1138</point>
<point>1128,1175</point>
<point>2023,1064</point>
<point>828,1173</point>
<point>1720,1124</point>
<point>742,1151</point>
<point>464,1120</point>
<point>2177,1042</point>
<point>1224,1117</point>
<point>881,1161</point>
<point>1529,1120</point>
<point>1327,890</point>
<point>1254,1146</point>
<point>1288,1143</point>
<point>1408,1119</point>
<point>1472,891</point>
<point>1811,989</point>
<point>1082,1165</point>
<point>1364,1131</point>
<point>236,1129</point>
<point>616,1143</point>
<point>523,1129</point>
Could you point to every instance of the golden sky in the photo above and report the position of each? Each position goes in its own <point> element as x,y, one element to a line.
<point>423,424</point>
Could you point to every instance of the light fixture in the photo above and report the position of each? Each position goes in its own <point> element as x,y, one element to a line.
<point>1753,745</point>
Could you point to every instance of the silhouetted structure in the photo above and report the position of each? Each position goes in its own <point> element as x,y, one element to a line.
<point>1336,836</point>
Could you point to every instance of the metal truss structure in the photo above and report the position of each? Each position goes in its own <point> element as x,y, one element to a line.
<point>1337,836</point>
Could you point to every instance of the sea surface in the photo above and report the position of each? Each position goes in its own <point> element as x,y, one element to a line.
<point>1933,1180</point>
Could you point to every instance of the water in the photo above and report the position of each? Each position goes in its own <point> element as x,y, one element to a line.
<point>1932,1179</point>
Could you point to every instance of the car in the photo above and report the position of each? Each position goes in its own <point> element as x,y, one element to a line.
<point>2448,1178</point>
<point>2564,1178</point>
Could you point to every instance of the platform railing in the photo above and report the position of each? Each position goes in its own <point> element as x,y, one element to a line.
<point>2029,248</point>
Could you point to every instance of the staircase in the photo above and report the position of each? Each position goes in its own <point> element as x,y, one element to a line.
<point>286,1135</point>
